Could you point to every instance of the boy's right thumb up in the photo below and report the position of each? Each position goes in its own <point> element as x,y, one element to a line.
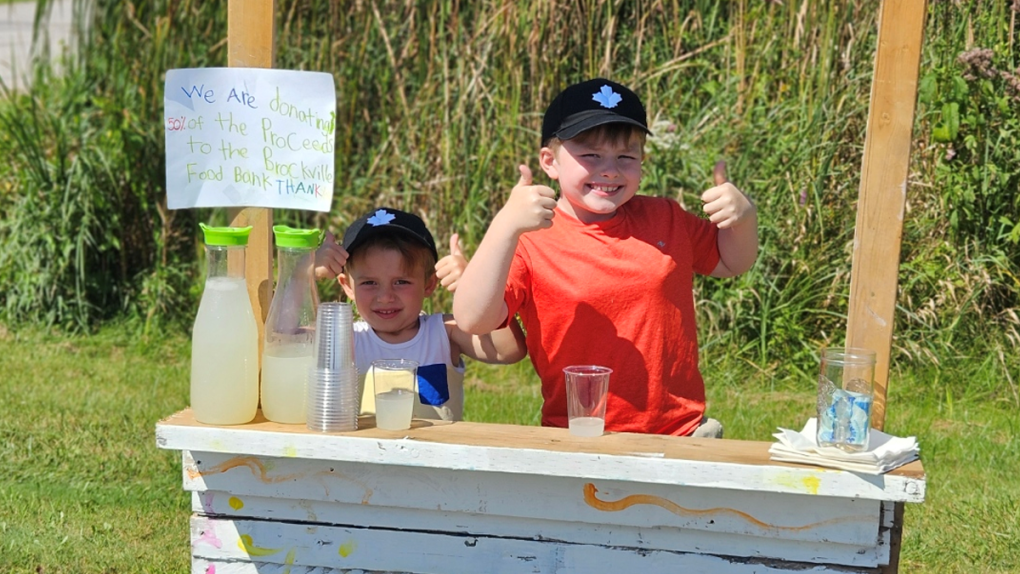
<point>455,249</point>
<point>719,173</point>
<point>526,177</point>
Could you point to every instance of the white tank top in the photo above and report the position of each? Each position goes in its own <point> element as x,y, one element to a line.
<point>440,383</point>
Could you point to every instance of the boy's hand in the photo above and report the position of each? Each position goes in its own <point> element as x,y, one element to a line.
<point>530,206</point>
<point>330,258</point>
<point>725,205</point>
<point>451,267</point>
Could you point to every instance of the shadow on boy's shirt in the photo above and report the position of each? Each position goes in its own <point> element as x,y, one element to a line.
<point>620,352</point>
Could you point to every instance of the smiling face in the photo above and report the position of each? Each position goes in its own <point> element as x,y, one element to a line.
<point>388,288</point>
<point>598,171</point>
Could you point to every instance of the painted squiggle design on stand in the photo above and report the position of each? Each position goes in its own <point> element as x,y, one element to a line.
<point>259,470</point>
<point>246,543</point>
<point>626,502</point>
<point>289,560</point>
<point>256,466</point>
<point>329,473</point>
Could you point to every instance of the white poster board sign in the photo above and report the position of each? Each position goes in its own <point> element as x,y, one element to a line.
<point>249,137</point>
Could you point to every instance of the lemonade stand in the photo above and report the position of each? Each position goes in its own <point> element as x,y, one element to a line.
<point>462,497</point>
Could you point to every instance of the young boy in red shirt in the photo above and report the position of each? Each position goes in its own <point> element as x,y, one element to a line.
<point>602,275</point>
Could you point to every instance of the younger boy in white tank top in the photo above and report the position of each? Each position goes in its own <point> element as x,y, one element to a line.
<point>389,266</point>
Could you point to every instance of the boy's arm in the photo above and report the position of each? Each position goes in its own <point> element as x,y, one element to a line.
<point>738,247</point>
<point>737,219</point>
<point>502,346</point>
<point>478,303</point>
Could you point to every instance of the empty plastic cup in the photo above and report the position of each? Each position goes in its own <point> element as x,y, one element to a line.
<point>331,399</point>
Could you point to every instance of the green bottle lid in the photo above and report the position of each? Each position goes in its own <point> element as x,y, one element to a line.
<point>225,235</point>
<point>298,238</point>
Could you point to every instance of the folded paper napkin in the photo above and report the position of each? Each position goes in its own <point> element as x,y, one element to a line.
<point>885,452</point>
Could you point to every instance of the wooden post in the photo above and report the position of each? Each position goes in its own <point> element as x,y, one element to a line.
<point>884,171</point>
<point>251,43</point>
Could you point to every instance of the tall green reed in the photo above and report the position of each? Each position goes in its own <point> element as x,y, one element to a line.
<point>86,234</point>
<point>963,252</point>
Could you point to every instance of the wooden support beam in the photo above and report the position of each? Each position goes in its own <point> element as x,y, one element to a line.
<point>883,191</point>
<point>251,43</point>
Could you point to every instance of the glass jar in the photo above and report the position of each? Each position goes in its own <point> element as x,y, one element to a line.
<point>290,327</point>
<point>845,397</point>
<point>224,339</point>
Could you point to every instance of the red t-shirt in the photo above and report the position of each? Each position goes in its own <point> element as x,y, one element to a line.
<point>618,293</point>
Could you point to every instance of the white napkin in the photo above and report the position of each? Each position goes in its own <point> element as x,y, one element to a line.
<point>885,452</point>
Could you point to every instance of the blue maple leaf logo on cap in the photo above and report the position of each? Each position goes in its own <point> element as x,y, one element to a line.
<point>380,217</point>
<point>607,97</point>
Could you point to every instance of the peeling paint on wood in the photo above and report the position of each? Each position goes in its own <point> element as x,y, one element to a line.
<point>360,502</point>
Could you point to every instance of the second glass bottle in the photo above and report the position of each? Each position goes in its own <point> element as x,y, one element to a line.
<point>290,327</point>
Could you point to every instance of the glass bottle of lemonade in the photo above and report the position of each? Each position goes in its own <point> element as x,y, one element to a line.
<point>290,327</point>
<point>224,340</point>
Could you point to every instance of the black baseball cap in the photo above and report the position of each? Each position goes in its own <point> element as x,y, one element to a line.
<point>592,103</point>
<point>386,219</point>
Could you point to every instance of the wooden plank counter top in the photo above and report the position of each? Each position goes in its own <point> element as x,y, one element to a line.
<point>545,451</point>
<point>528,499</point>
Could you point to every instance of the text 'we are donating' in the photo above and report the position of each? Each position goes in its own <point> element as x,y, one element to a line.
<point>250,137</point>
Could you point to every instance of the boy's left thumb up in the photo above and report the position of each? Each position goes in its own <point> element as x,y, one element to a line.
<point>455,245</point>
<point>719,172</point>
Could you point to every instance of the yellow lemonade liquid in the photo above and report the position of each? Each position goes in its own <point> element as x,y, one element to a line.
<point>224,355</point>
<point>394,397</point>
<point>393,409</point>
<point>587,426</point>
<point>284,374</point>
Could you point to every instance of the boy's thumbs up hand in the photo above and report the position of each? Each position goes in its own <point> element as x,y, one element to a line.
<point>455,248</point>
<point>530,206</point>
<point>330,258</point>
<point>719,173</point>
<point>725,205</point>
<point>450,268</point>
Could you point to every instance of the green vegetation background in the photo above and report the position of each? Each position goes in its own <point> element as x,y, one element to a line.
<point>438,101</point>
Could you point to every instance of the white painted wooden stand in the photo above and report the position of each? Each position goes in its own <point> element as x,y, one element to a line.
<point>477,498</point>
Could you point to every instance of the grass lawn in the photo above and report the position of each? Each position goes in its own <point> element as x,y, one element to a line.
<point>84,489</point>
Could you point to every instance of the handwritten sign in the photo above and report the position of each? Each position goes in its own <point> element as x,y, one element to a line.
<point>239,137</point>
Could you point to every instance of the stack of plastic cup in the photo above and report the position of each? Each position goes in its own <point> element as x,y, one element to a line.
<point>332,399</point>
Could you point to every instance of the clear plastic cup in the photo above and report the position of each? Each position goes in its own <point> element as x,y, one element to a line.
<point>394,382</point>
<point>332,400</point>
<point>334,346</point>
<point>587,391</point>
<point>332,397</point>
